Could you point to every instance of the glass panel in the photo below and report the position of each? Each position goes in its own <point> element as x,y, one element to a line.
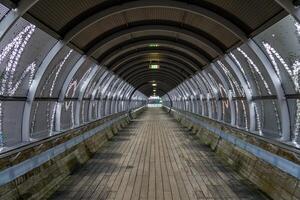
<point>267,118</point>
<point>68,115</point>
<point>43,118</point>
<point>21,54</point>
<point>281,43</point>
<point>57,72</point>
<point>3,11</point>
<point>242,113</point>
<point>231,78</point>
<point>246,59</point>
<point>10,122</point>
<point>84,112</point>
<point>78,79</point>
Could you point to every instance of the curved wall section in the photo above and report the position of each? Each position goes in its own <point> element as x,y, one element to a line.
<point>254,87</point>
<point>73,90</point>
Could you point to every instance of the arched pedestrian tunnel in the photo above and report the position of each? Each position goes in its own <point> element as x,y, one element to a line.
<point>147,99</point>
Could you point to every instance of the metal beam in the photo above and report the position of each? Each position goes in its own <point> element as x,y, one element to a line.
<point>14,14</point>
<point>168,73</point>
<point>162,44</point>
<point>145,65</point>
<point>163,28</point>
<point>138,61</point>
<point>197,10</point>
<point>290,8</point>
<point>163,39</point>
<point>174,55</point>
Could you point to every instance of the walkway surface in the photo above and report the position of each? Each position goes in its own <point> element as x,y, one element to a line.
<point>155,158</point>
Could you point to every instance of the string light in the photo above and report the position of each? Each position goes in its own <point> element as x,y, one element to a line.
<point>294,73</point>
<point>13,51</point>
<point>250,61</point>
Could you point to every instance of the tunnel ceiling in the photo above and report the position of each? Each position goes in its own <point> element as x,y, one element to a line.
<point>180,36</point>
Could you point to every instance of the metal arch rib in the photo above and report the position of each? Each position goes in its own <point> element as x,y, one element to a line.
<point>170,68</point>
<point>189,59</point>
<point>171,54</point>
<point>33,87</point>
<point>164,44</point>
<point>62,92</point>
<point>161,4</point>
<point>162,60</point>
<point>282,103</point>
<point>238,73</point>
<point>82,92</point>
<point>203,40</point>
<point>232,107</point>
<point>144,78</point>
<point>14,14</point>
<point>290,8</point>
<point>143,71</point>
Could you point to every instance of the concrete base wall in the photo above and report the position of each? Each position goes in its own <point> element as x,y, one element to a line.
<point>270,179</point>
<point>42,181</point>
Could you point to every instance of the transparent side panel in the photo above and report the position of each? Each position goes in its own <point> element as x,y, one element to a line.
<point>78,79</point>
<point>21,55</point>
<point>267,118</point>
<point>3,11</point>
<point>84,111</point>
<point>281,43</point>
<point>255,71</point>
<point>57,72</point>
<point>43,118</point>
<point>230,77</point>
<point>242,114</point>
<point>68,115</point>
<point>11,122</point>
<point>226,117</point>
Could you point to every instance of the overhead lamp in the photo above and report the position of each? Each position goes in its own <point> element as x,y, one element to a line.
<point>153,45</point>
<point>154,66</point>
<point>154,84</point>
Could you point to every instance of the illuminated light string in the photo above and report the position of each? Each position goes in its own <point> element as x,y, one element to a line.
<point>242,70</point>
<point>50,117</point>
<point>73,84</point>
<point>72,88</point>
<point>249,87</point>
<point>231,80</point>
<point>216,86</point>
<point>14,50</point>
<point>258,119</point>
<point>294,73</point>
